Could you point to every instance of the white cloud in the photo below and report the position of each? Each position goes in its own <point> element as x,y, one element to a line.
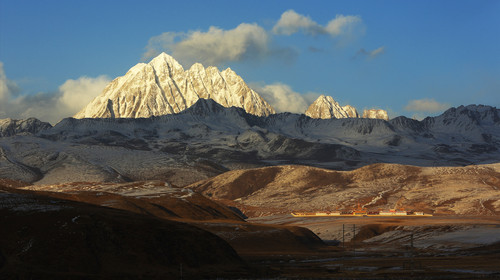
<point>7,87</point>
<point>292,22</point>
<point>76,94</point>
<point>426,105</point>
<point>247,41</point>
<point>4,91</point>
<point>342,25</point>
<point>70,98</point>
<point>284,99</point>
<point>216,46</point>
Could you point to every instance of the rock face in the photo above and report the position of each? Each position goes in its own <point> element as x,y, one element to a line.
<point>163,87</point>
<point>326,108</point>
<point>376,114</point>
<point>351,111</point>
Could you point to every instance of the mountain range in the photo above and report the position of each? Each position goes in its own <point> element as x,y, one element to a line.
<point>163,87</point>
<point>208,139</point>
<point>197,175</point>
<point>162,122</point>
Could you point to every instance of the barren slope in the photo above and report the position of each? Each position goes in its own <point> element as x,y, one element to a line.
<point>155,198</point>
<point>159,199</point>
<point>470,190</point>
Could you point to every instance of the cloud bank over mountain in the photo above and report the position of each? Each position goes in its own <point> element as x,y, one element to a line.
<point>284,99</point>
<point>426,105</point>
<point>247,41</point>
<point>71,96</point>
<point>212,47</point>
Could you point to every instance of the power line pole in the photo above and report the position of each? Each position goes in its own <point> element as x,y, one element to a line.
<point>343,231</point>
<point>352,240</point>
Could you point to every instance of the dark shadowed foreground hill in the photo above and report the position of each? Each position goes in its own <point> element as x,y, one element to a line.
<point>49,238</point>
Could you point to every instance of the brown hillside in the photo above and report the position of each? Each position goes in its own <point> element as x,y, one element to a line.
<point>155,198</point>
<point>470,190</point>
<point>159,199</point>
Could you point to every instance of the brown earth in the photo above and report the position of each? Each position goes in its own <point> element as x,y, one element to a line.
<point>470,190</point>
<point>279,245</point>
<point>145,197</point>
<point>153,198</point>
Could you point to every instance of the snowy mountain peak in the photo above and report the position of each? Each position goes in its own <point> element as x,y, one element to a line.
<point>466,117</point>
<point>197,67</point>
<point>163,87</point>
<point>204,107</point>
<point>164,60</point>
<point>351,111</point>
<point>376,114</point>
<point>325,107</point>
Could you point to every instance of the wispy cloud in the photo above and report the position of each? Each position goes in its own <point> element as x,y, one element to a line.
<point>370,54</point>
<point>213,47</point>
<point>71,97</point>
<point>426,105</point>
<point>292,22</point>
<point>284,99</point>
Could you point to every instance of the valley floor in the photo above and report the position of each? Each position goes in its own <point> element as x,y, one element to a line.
<point>442,247</point>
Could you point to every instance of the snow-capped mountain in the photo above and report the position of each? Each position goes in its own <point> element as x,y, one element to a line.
<point>9,127</point>
<point>326,108</point>
<point>163,87</point>
<point>376,114</point>
<point>208,139</point>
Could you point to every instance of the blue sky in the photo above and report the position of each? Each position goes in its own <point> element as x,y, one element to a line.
<point>413,58</point>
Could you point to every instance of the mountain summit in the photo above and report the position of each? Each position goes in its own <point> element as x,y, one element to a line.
<point>162,87</point>
<point>326,108</point>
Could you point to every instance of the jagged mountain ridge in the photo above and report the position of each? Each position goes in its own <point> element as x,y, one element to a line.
<point>162,86</point>
<point>325,107</point>
<point>208,139</point>
<point>10,127</point>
